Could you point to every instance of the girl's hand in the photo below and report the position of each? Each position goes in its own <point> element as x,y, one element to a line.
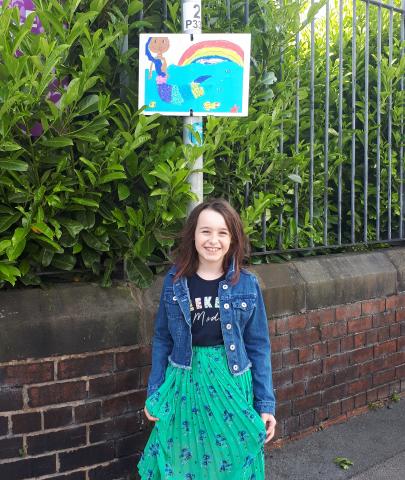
<point>270,423</point>
<point>149,416</point>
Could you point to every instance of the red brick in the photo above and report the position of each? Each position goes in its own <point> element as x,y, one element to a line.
<point>350,373</point>
<point>56,393</point>
<point>361,355</point>
<point>385,348</point>
<point>373,306</point>
<point>282,377</point>
<point>402,328</point>
<point>144,375</point>
<point>29,468</point>
<point>386,376</point>
<point>306,371</point>
<point>358,386</point>
<point>347,343</point>
<point>383,392</point>
<point>383,334</point>
<point>307,420</point>
<point>360,400</point>
<point>272,327</point>
<point>10,399</point>
<point>357,325</point>
<point>372,366</point>
<point>317,384</point>
<point>400,372</point>
<point>320,350</point>
<point>85,366</point>
<point>26,422</point>
<point>346,312</point>
<point>297,322</point>
<point>114,428</point>
<point>401,344</point>
<point>282,325</point>
<point>86,456</point>
<point>291,426</point>
<point>347,405</point>
<point>26,373</point>
<point>359,340</point>
<point>276,361</point>
<point>290,392</point>
<point>372,395</point>
<point>395,301</point>
<point>334,409</point>
<point>58,417</point>
<point>88,412</point>
<point>283,410</point>
<point>138,357</point>
<point>397,358</point>
<point>334,330</point>
<point>117,383</point>
<point>305,354</point>
<point>3,426</point>
<point>124,403</point>
<point>307,337</point>
<point>333,394</point>
<point>10,447</point>
<point>59,440</point>
<point>321,414</point>
<point>383,319</point>
<point>290,358</point>
<point>280,342</point>
<point>333,346</point>
<point>400,315</point>
<point>336,362</point>
<point>372,337</point>
<point>395,330</point>
<point>306,403</point>
<point>321,317</point>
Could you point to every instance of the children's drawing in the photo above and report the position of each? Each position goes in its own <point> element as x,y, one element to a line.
<point>206,75</point>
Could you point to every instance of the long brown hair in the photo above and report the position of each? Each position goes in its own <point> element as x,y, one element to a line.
<point>186,256</point>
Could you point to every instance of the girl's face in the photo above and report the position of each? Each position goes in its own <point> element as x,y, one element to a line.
<point>212,238</point>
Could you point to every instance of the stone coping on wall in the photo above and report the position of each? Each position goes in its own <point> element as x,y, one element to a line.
<point>77,318</point>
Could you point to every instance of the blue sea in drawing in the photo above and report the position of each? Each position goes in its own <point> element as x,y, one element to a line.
<point>201,87</point>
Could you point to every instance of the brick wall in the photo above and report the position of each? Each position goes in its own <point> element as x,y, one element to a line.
<point>74,361</point>
<point>75,417</point>
<point>331,363</point>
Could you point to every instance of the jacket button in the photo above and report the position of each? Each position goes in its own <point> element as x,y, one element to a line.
<point>225,286</point>
<point>232,346</point>
<point>228,326</point>
<point>174,299</point>
<point>226,306</point>
<point>244,304</point>
<point>236,368</point>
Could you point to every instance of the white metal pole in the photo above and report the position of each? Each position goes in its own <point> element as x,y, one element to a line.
<point>191,23</point>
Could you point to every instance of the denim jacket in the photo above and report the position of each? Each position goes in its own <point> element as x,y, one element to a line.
<point>244,330</point>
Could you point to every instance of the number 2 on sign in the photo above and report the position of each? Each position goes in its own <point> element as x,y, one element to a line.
<point>192,16</point>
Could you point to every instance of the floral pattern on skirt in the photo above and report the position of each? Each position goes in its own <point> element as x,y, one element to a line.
<point>207,428</point>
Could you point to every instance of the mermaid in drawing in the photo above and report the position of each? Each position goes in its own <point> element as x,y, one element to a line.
<point>170,93</point>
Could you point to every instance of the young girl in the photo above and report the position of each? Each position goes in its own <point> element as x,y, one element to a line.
<point>210,389</point>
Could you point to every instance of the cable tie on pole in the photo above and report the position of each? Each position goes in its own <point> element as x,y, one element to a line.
<point>191,112</point>
<point>192,37</point>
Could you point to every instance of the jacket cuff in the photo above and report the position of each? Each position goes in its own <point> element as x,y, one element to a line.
<point>264,407</point>
<point>151,390</point>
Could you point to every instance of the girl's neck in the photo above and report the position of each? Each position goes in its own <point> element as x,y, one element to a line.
<point>209,272</point>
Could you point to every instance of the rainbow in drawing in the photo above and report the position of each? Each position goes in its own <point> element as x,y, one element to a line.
<point>212,51</point>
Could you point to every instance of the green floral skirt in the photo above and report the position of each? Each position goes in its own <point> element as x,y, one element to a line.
<point>207,428</point>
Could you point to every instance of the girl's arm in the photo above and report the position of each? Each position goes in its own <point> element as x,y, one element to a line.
<point>162,344</point>
<point>257,344</point>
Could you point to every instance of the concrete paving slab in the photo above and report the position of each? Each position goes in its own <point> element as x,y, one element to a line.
<point>374,442</point>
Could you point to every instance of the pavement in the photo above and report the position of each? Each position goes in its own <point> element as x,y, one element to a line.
<point>373,441</point>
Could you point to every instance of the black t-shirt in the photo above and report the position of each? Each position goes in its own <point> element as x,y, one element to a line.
<point>204,310</point>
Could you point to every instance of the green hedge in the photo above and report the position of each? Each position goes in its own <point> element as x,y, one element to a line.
<point>102,183</point>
